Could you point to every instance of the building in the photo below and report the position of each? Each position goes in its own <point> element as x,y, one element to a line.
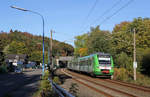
<point>16,61</point>
<point>14,58</point>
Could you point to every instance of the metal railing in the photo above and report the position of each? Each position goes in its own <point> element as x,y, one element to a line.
<point>60,91</point>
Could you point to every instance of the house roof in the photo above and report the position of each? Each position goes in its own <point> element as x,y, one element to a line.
<point>13,56</point>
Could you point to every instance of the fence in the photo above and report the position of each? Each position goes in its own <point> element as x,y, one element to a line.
<point>60,91</point>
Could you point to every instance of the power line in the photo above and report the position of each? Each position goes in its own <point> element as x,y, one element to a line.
<point>88,15</point>
<point>107,18</point>
<point>105,12</point>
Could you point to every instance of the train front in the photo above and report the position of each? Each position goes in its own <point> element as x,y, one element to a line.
<point>106,65</point>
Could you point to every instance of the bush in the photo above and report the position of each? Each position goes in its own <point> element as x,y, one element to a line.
<point>142,80</point>
<point>122,74</point>
<point>56,80</point>
<point>45,89</point>
<point>122,60</point>
<point>3,69</point>
<point>146,62</point>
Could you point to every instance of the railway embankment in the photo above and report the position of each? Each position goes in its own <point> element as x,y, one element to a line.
<point>77,86</point>
<point>102,87</point>
<point>123,75</point>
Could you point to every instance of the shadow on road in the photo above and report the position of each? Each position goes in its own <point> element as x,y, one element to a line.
<point>18,84</point>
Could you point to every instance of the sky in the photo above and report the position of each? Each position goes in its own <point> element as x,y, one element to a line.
<point>68,18</point>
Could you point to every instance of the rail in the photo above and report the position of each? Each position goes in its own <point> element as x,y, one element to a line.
<point>60,91</point>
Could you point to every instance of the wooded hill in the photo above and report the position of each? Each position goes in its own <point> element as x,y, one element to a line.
<point>17,42</point>
<point>119,43</point>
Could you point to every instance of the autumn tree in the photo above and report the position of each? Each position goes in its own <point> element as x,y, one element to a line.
<point>17,48</point>
<point>81,45</point>
<point>122,41</point>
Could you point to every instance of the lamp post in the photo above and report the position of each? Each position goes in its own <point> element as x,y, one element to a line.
<point>22,9</point>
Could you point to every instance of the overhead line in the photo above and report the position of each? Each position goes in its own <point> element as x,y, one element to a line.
<point>105,12</point>
<point>107,18</point>
<point>91,10</point>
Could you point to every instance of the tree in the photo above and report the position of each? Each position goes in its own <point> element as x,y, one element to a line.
<point>146,62</point>
<point>92,42</point>
<point>17,48</point>
<point>36,56</point>
<point>121,27</point>
<point>1,46</point>
<point>122,40</point>
<point>2,58</point>
<point>81,45</point>
<point>122,60</point>
<point>99,41</point>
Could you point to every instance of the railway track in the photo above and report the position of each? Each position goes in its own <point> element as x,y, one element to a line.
<point>89,79</point>
<point>142,88</point>
<point>133,86</point>
<point>95,89</point>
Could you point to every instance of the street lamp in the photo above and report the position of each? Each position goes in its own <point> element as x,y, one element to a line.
<point>22,9</point>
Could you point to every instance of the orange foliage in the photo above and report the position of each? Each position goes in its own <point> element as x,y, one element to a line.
<point>83,51</point>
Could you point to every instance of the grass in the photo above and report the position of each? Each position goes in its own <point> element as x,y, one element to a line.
<point>45,89</point>
<point>122,74</point>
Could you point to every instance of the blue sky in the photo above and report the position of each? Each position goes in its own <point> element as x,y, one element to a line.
<point>67,17</point>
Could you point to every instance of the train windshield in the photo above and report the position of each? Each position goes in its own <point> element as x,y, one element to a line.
<point>104,60</point>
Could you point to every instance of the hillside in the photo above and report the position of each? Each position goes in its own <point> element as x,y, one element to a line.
<point>17,42</point>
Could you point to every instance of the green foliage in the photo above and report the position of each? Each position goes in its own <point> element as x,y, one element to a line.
<point>45,87</point>
<point>2,58</point>
<point>122,74</point>
<point>17,42</point>
<point>74,89</point>
<point>142,80</point>
<point>121,27</point>
<point>56,80</point>
<point>122,42</point>
<point>80,43</point>
<point>3,69</point>
<point>1,45</point>
<point>119,43</point>
<point>146,62</point>
<point>35,56</point>
<point>17,48</point>
<point>95,41</point>
<point>98,41</point>
<point>123,61</point>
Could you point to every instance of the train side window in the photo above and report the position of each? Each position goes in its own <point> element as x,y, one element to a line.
<point>89,62</point>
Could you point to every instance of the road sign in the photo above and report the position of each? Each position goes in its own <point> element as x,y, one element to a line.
<point>134,64</point>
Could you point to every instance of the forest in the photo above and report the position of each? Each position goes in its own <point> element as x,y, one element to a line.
<point>119,43</point>
<point>17,42</point>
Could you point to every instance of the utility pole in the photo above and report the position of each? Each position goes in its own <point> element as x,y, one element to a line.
<point>51,44</point>
<point>134,55</point>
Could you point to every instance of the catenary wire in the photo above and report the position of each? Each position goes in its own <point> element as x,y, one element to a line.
<point>104,13</point>
<point>121,8</point>
<point>117,11</point>
<point>89,13</point>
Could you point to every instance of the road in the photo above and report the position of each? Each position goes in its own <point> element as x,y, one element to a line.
<point>19,84</point>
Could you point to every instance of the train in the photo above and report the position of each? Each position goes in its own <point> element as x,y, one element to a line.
<point>98,64</point>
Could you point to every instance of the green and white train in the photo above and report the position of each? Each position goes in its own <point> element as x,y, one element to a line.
<point>99,64</point>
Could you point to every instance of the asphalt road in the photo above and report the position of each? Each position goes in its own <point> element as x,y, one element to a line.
<point>19,84</point>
